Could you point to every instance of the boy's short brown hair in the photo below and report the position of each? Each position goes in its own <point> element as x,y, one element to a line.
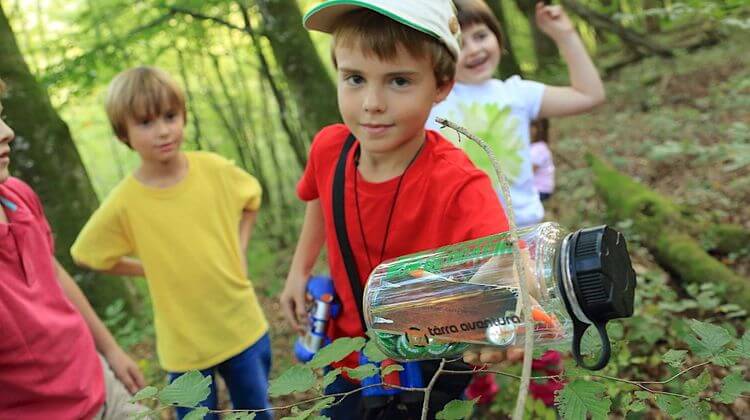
<point>380,35</point>
<point>2,87</point>
<point>472,12</point>
<point>141,93</point>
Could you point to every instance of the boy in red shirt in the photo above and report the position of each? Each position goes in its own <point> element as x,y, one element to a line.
<point>49,366</point>
<point>405,189</point>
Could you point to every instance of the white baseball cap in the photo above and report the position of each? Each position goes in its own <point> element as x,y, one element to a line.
<point>436,18</point>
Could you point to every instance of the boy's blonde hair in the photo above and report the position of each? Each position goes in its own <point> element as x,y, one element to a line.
<point>376,34</point>
<point>472,12</point>
<point>141,93</point>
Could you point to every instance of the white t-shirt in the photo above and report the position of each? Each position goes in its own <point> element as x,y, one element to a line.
<point>499,112</point>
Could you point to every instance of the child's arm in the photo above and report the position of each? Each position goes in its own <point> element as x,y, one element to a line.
<point>586,89</point>
<point>126,266</point>
<point>247,222</point>
<point>122,365</point>
<point>311,240</point>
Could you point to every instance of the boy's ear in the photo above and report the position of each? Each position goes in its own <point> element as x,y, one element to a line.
<point>443,90</point>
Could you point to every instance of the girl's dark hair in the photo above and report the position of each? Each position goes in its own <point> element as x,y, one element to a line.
<point>542,130</point>
<point>471,12</point>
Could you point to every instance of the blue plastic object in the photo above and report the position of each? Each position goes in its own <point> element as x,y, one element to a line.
<point>320,290</point>
<point>410,377</point>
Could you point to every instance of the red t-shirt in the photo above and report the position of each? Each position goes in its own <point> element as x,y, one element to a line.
<point>443,199</point>
<point>49,368</point>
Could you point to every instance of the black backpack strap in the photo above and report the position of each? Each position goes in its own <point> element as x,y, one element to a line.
<point>339,222</point>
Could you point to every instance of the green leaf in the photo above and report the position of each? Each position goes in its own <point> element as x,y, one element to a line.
<point>390,369</point>
<point>323,404</point>
<point>693,387</point>
<point>298,378</point>
<point>636,406</point>
<point>669,404</point>
<point>147,392</point>
<point>642,395</point>
<point>336,351</point>
<point>239,416</point>
<point>187,391</point>
<point>361,372</point>
<point>674,358</point>
<point>732,387</point>
<point>330,377</point>
<point>742,348</point>
<point>373,352</point>
<point>712,337</point>
<point>694,409</point>
<point>581,397</point>
<point>725,359</point>
<point>197,414</point>
<point>298,414</point>
<point>457,409</point>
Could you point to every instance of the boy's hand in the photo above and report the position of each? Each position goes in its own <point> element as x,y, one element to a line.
<point>293,302</point>
<point>126,370</point>
<point>553,21</point>
<point>488,354</point>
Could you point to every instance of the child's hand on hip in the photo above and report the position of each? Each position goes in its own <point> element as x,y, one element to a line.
<point>553,21</point>
<point>491,355</point>
<point>293,302</point>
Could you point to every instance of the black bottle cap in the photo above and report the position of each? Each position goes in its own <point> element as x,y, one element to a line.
<point>602,273</point>
<point>603,283</point>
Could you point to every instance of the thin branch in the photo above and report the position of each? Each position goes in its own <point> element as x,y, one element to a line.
<point>426,402</point>
<point>673,377</point>
<point>201,16</point>
<point>343,395</point>
<point>518,264</point>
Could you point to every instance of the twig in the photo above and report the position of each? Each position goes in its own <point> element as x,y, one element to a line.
<point>677,375</point>
<point>497,372</point>
<point>426,402</point>
<point>517,262</point>
<point>343,395</point>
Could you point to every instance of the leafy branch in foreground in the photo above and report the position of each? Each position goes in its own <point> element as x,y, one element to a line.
<point>586,394</point>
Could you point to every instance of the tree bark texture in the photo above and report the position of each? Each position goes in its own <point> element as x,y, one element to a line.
<point>44,156</point>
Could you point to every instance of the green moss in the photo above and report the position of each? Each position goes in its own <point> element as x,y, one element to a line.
<point>667,231</point>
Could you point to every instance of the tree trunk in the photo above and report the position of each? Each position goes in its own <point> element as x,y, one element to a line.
<point>604,23</point>
<point>310,85</point>
<point>544,48</point>
<point>508,63</point>
<point>297,143</point>
<point>666,231</point>
<point>653,25</point>
<point>45,156</point>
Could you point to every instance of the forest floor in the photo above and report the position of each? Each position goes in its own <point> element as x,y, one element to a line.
<point>680,126</point>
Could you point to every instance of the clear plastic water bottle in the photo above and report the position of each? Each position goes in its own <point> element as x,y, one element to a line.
<point>437,303</point>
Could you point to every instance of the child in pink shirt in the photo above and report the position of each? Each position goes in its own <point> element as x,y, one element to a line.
<point>541,159</point>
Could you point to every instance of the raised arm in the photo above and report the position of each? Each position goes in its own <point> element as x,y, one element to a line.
<point>586,89</point>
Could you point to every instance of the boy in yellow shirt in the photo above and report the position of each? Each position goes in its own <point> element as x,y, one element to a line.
<point>183,220</point>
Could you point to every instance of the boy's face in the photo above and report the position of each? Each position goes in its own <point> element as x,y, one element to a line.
<point>6,136</point>
<point>385,103</point>
<point>480,54</point>
<point>157,139</point>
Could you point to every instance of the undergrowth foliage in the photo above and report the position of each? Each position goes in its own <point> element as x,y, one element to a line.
<point>688,353</point>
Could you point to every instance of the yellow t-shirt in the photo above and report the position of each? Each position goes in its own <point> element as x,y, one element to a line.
<point>187,237</point>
